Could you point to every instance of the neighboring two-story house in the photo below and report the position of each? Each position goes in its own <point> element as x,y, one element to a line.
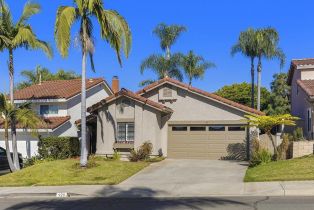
<point>59,104</point>
<point>301,80</point>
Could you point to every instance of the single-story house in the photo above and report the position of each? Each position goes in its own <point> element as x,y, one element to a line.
<point>180,121</point>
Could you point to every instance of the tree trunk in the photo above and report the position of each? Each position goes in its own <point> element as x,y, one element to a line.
<point>259,79</point>
<point>168,53</point>
<point>252,83</point>
<point>273,143</point>
<point>83,160</point>
<point>7,147</point>
<point>13,120</point>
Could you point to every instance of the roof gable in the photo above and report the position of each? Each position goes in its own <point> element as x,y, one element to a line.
<point>57,89</point>
<point>199,92</point>
<point>295,63</point>
<point>133,96</point>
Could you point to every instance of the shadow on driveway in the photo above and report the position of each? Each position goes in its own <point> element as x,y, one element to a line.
<point>143,199</point>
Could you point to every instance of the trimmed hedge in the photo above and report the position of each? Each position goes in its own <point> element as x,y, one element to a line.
<point>54,147</point>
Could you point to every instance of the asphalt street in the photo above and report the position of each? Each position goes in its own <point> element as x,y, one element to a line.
<point>221,203</point>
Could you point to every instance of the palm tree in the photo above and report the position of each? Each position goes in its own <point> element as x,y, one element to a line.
<point>194,66</point>
<point>23,115</point>
<point>114,29</point>
<point>19,35</point>
<point>246,45</point>
<point>168,35</point>
<point>267,40</point>
<point>40,74</point>
<point>162,67</point>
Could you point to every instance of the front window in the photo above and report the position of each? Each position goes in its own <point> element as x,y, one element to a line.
<point>309,120</point>
<point>48,109</point>
<point>126,131</point>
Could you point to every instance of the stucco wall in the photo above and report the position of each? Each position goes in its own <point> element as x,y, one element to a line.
<point>299,103</point>
<point>307,74</point>
<point>147,126</point>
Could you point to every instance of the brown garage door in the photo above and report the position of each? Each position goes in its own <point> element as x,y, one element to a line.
<point>203,141</point>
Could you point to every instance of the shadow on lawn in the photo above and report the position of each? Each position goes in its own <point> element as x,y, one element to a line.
<point>134,198</point>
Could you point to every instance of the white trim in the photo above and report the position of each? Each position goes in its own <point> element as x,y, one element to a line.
<point>27,130</point>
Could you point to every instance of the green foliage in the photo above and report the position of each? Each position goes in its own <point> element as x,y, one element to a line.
<point>116,155</point>
<point>260,157</point>
<point>32,161</point>
<point>241,93</point>
<point>114,28</point>
<point>279,99</point>
<point>163,67</point>
<point>142,153</point>
<point>194,66</point>
<point>297,135</point>
<point>283,148</point>
<point>43,74</point>
<point>58,147</point>
<point>20,34</point>
<point>155,159</point>
<point>168,34</point>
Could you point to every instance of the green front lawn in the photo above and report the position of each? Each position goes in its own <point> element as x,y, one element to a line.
<point>68,172</point>
<point>284,170</point>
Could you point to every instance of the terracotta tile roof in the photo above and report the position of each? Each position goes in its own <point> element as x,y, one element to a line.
<point>47,123</point>
<point>307,86</point>
<point>130,94</point>
<point>58,89</point>
<point>201,92</point>
<point>295,63</point>
<point>303,62</point>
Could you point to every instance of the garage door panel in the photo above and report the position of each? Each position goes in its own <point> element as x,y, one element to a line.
<point>202,144</point>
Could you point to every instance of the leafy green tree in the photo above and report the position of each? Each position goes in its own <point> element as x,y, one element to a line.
<point>114,30</point>
<point>194,66</point>
<point>40,74</point>
<point>267,123</point>
<point>22,114</point>
<point>162,67</point>
<point>19,35</point>
<point>241,93</point>
<point>267,40</point>
<point>246,45</point>
<point>279,98</point>
<point>168,35</point>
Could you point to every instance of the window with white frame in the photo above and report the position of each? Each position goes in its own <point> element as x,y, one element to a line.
<point>125,131</point>
<point>48,109</point>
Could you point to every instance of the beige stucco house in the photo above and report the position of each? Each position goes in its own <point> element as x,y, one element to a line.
<point>179,120</point>
<point>301,80</point>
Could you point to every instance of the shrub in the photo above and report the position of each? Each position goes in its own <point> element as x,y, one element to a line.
<point>58,147</point>
<point>142,153</point>
<point>116,155</point>
<point>297,134</point>
<point>260,157</point>
<point>283,148</point>
<point>31,161</point>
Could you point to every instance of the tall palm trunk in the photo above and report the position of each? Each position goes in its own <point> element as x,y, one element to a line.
<point>7,147</point>
<point>168,53</point>
<point>13,121</point>
<point>83,160</point>
<point>252,83</point>
<point>259,78</point>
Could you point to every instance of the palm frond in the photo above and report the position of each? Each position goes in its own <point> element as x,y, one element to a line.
<point>64,21</point>
<point>146,82</point>
<point>29,10</point>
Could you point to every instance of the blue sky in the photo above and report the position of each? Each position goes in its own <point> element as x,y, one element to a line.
<point>213,27</point>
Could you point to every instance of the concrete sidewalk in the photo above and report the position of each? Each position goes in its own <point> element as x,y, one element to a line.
<point>302,188</point>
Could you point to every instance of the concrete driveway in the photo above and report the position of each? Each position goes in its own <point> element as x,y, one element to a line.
<point>190,177</point>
